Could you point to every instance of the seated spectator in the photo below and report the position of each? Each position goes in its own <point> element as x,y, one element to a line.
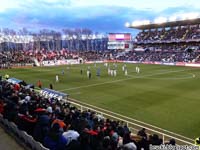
<point>54,139</point>
<point>142,133</point>
<point>155,140</point>
<point>1,106</point>
<point>128,143</point>
<point>42,127</point>
<point>171,142</point>
<point>60,121</point>
<point>71,135</point>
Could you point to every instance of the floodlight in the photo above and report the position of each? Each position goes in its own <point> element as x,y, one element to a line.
<point>127,24</point>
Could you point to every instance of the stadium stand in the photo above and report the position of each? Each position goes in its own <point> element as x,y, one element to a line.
<point>35,120</point>
<point>177,41</point>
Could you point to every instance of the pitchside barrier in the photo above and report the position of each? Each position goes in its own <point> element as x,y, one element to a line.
<point>77,61</point>
<point>133,124</point>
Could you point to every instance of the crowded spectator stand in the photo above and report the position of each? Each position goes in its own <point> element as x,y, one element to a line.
<point>59,125</point>
<point>174,41</point>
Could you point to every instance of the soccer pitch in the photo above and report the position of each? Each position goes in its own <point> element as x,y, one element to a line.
<point>164,96</point>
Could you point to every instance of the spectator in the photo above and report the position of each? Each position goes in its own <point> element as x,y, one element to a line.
<point>39,84</point>
<point>142,133</point>
<point>54,139</point>
<point>50,86</point>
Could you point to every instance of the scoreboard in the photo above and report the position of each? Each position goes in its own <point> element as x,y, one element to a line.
<point>119,41</point>
<point>119,37</point>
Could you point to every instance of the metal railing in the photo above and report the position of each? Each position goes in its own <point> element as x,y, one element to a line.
<point>133,124</point>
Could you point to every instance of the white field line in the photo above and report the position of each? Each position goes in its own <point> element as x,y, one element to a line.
<point>120,80</point>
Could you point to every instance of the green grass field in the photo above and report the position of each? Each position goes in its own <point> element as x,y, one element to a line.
<point>164,96</point>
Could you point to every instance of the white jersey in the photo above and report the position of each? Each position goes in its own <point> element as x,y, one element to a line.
<point>106,64</point>
<point>111,72</point>
<point>126,72</point>
<point>57,79</point>
<point>123,68</point>
<point>88,72</point>
<point>115,73</point>
<point>137,69</point>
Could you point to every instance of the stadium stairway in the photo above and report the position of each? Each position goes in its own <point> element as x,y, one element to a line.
<point>7,142</point>
<point>12,138</point>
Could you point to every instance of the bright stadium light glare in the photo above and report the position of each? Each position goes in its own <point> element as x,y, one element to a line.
<point>160,20</point>
<point>127,24</point>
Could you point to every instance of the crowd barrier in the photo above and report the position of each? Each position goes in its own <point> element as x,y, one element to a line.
<point>71,61</point>
<point>133,124</point>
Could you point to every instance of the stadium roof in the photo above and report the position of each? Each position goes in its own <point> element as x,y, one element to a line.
<point>167,24</point>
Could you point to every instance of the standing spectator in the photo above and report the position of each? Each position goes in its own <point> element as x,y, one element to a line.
<point>50,86</point>
<point>39,84</point>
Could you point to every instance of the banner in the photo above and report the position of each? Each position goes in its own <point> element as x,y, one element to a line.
<point>60,62</point>
<point>168,64</point>
<point>48,93</point>
<point>14,80</point>
<point>192,65</point>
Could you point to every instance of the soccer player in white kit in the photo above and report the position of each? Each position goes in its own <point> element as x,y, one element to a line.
<point>109,71</point>
<point>57,79</point>
<point>115,73</point>
<point>88,72</point>
<point>137,69</point>
<point>126,72</point>
<point>123,68</point>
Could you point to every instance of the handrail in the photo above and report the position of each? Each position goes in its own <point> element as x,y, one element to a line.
<point>150,128</point>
